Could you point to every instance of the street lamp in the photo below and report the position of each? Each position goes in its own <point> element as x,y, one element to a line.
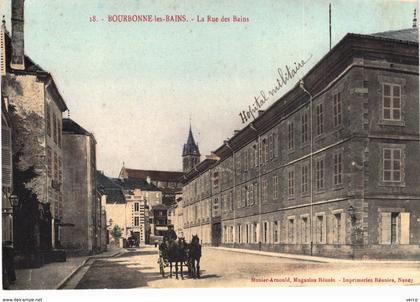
<point>110,222</point>
<point>352,213</point>
<point>14,201</point>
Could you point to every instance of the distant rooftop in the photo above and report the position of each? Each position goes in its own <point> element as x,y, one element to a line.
<point>170,176</point>
<point>135,183</point>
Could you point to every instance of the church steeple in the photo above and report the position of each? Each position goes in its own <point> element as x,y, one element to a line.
<point>190,153</point>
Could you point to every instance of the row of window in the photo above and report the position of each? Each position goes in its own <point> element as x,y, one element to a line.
<point>394,229</point>
<point>53,123</point>
<point>294,230</point>
<point>247,195</point>
<point>268,147</point>
<point>54,164</point>
<point>199,211</point>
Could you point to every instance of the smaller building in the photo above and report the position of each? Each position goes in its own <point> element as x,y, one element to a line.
<point>168,182</point>
<point>82,234</point>
<point>159,220</point>
<point>140,197</point>
<point>127,203</point>
<point>114,204</point>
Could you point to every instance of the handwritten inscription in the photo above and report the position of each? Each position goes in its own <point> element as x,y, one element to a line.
<point>284,75</point>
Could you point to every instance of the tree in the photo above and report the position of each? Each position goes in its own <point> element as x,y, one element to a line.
<point>116,232</point>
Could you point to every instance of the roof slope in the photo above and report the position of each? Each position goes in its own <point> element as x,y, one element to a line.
<point>70,126</point>
<point>110,188</point>
<point>136,183</point>
<point>32,68</point>
<point>408,34</point>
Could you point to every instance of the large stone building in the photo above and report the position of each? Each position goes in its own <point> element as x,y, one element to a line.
<point>331,168</point>
<point>36,111</point>
<point>81,201</point>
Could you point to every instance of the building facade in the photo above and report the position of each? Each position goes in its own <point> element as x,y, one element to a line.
<point>37,147</point>
<point>329,169</point>
<point>6,175</point>
<point>82,235</point>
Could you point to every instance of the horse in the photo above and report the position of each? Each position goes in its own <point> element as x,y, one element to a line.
<point>177,253</point>
<point>194,255</point>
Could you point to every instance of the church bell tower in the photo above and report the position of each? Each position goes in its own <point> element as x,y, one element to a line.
<point>190,154</point>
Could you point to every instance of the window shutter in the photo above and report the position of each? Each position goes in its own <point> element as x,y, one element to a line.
<point>343,228</point>
<point>405,228</point>
<point>258,233</point>
<point>330,221</point>
<point>385,231</point>
<point>324,229</point>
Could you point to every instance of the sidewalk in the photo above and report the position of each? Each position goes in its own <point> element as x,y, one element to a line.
<point>52,275</point>
<point>312,258</point>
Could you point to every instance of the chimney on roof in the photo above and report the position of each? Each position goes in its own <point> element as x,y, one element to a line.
<point>260,112</point>
<point>414,19</point>
<point>235,132</point>
<point>18,50</point>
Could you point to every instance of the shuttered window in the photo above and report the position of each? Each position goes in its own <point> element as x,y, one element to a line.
<point>394,228</point>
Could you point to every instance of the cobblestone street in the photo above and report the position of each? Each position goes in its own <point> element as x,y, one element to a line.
<point>221,268</point>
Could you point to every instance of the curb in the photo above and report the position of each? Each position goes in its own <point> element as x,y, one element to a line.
<point>67,278</point>
<point>268,254</point>
<point>314,258</point>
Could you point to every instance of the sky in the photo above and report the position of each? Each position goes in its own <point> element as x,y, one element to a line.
<point>136,86</point>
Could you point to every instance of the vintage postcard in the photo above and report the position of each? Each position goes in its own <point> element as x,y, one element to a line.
<point>209,144</point>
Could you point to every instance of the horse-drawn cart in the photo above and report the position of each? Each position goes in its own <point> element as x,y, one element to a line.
<point>172,252</point>
<point>181,254</point>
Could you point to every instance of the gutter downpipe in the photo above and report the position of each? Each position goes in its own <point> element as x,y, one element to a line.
<point>251,125</point>
<point>302,86</point>
<point>201,210</point>
<point>233,194</point>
